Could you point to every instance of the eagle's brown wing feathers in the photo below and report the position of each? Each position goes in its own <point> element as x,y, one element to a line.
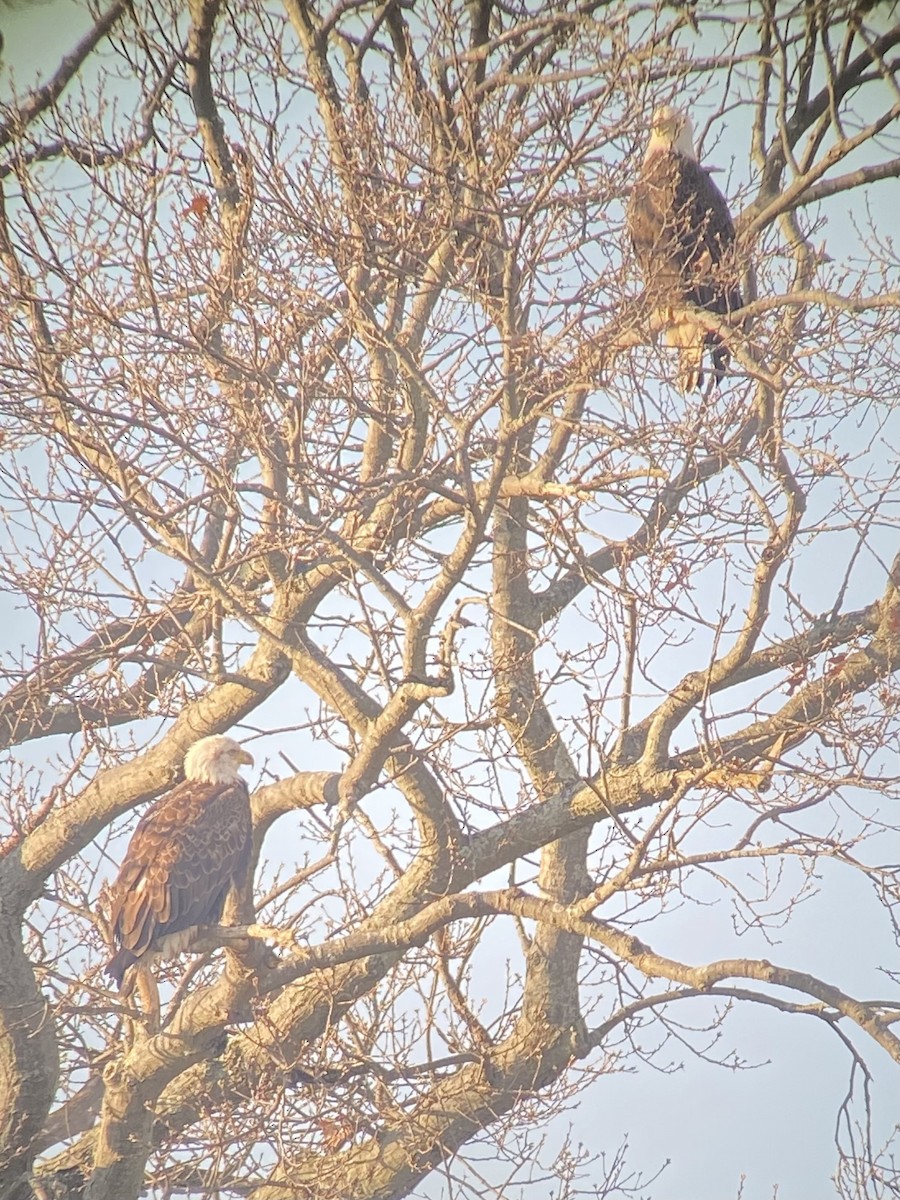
<point>707,239</point>
<point>186,852</point>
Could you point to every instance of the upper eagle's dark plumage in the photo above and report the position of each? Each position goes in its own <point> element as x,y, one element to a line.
<point>683,237</point>
<point>189,849</point>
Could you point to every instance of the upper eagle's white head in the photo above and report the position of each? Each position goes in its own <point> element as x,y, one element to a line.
<point>216,759</point>
<point>671,129</point>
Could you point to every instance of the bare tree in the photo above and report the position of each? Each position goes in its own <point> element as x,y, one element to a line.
<point>334,416</point>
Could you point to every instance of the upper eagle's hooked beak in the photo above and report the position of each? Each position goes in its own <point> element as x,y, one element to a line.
<point>245,757</point>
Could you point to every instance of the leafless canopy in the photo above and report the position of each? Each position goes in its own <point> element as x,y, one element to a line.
<point>334,417</point>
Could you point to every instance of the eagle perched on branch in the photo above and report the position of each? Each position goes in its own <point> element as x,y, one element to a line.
<point>189,849</point>
<point>683,237</point>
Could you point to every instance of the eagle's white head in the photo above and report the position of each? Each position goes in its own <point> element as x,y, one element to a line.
<point>216,759</point>
<point>671,129</point>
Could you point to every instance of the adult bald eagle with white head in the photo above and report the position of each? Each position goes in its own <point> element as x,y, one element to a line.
<point>683,237</point>
<point>190,848</point>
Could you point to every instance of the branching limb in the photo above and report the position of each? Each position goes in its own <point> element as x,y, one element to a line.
<point>45,97</point>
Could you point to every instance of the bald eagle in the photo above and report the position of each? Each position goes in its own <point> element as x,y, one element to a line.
<point>683,238</point>
<point>189,849</point>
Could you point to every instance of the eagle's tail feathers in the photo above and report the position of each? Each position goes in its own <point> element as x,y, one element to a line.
<point>690,372</point>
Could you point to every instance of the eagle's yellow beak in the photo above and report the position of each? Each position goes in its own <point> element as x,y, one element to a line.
<point>245,757</point>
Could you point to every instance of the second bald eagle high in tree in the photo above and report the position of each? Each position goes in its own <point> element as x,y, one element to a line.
<point>189,849</point>
<point>683,237</point>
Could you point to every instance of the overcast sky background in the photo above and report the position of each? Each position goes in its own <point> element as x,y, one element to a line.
<point>773,1124</point>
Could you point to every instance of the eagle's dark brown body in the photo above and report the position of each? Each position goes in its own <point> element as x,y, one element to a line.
<point>189,849</point>
<point>683,237</point>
